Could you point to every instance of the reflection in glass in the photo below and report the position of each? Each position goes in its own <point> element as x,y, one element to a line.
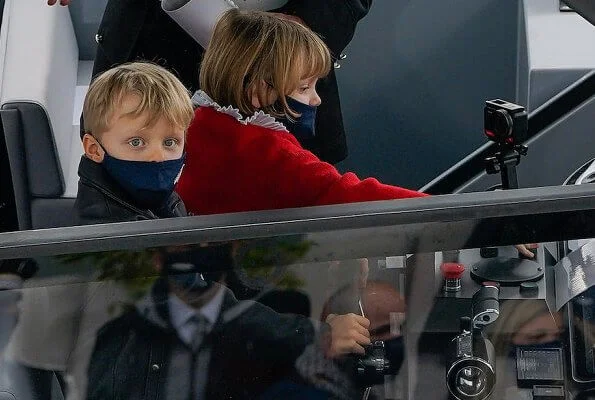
<point>471,381</point>
<point>176,312</point>
<point>236,318</point>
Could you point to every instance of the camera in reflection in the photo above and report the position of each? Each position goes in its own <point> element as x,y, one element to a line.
<point>371,368</point>
<point>470,367</point>
<point>382,358</point>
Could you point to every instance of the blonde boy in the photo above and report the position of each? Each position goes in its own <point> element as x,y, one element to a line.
<point>135,121</point>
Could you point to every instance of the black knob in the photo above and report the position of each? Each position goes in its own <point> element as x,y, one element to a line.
<point>488,252</point>
<point>465,324</point>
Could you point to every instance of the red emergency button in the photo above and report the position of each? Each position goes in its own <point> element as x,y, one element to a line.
<point>452,270</point>
<point>452,273</point>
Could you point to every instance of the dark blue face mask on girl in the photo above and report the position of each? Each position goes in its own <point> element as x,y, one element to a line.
<point>302,127</point>
<point>149,183</point>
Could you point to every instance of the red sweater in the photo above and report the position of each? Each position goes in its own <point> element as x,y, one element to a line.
<point>234,167</point>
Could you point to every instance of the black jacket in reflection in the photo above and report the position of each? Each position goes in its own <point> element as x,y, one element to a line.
<point>252,350</point>
<point>139,29</point>
<point>101,200</point>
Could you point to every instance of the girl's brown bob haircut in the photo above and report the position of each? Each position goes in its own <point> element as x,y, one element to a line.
<point>160,94</point>
<point>252,48</point>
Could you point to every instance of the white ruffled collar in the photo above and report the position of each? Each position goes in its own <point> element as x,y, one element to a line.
<point>259,118</point>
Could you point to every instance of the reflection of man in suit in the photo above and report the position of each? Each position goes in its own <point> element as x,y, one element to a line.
<point>191,337</point>
<point>133,29</point>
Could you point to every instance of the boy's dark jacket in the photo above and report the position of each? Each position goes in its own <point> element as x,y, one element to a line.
<point>101,200</point>
<point>139,29</point>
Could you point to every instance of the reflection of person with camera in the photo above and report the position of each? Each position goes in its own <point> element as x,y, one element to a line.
<point>190,335</point>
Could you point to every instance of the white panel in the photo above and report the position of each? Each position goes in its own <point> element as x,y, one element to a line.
<point>40,64</point>
<point>560,40</point>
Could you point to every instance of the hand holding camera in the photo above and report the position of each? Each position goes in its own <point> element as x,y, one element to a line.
<point>349,335</point>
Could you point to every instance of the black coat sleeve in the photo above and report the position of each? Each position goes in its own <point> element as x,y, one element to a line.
<point>334,20</point>
<point>118,365</point>
<point>100,379</point>
<point>278,338</point>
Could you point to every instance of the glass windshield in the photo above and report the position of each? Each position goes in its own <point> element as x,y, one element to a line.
<point>368,301</point>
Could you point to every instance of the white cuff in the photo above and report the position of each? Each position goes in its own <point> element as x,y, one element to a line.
<point>197,17</point>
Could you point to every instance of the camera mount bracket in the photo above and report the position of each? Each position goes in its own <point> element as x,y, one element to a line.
<point>505,162</point>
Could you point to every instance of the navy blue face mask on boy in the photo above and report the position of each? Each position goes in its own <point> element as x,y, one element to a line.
<point>149,183</point>
<point>302,127</point>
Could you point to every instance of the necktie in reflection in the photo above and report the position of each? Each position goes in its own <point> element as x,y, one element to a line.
<point>199,326</point>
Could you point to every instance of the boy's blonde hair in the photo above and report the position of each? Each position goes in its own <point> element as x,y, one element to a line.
<point>161,94</point>
<point>249,48</point>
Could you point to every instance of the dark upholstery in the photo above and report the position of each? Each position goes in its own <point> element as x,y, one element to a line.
<point>36,173</point>
<point>43,167</point>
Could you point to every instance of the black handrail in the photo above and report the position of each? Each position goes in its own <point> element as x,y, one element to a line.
<point>348,230</point>
<point>540,119</point>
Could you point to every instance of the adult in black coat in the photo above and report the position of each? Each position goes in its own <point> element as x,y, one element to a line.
<point>256,348</point>
<point>133,29</point>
